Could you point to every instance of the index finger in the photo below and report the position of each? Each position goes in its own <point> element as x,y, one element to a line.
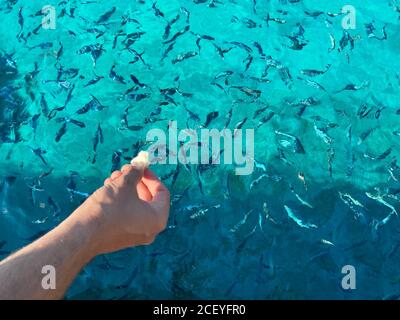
<point>157,189</point>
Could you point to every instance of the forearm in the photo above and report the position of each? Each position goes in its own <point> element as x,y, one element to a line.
<point>68,248</point>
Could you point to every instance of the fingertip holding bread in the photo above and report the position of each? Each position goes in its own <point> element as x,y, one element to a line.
<point>141,160</point>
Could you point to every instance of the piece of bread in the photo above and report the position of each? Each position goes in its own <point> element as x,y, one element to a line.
<point>142,160</point>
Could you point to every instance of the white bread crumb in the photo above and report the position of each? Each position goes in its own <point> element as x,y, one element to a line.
<point>142,159</point>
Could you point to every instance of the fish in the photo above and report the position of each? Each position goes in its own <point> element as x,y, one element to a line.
<point>295,142</point>
<point>380,199</point>
<point>255,93</point>
<point>356,206</point>
<point>43,105</point>
<point>333,42</point>
<point>93,81</point>
<point>277,20</point>
<point>98,138</point>
<point>260,111</point>
<point>60,133</point>
<point>298,221</point>
<point>303,202</point>
<point>221,52</point>
<point>34,123</point>
<point>106,16</point>
<point>157,12</point>
<point>240,124</point>
<point>42,45</point>
<point>167,51</point>
<point>137,82</point>
<point>236,227</point>
<point>228,117</point>
<point>114,76</point>
<point>314,14</point>
<point>184,56</point>
<point>177,35</point>
<point>259,48</point>
<point>242,46</point>
<point>20,22</point>
<point>39,152</point>
<point>60,52</point>
<point>265,119</point>
<point>248,62</point>
<point>257,181</point>
<point>313,72</point>
<point>93,105</point>
<point>297,43</point>
<point>223,74</point>
<point>210,117</point>
<point>312,83</point>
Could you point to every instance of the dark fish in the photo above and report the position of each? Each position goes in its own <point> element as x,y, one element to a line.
<point>248,62</point>
<point>248,91</point>
<point>313,73</point>
<point>240,124</point>
<point>277,20</point>
<point>43,45</point>
<point>20,22</point>
<point>116,160</point>
<point>184,56</point>
<point>314,14</point>
<point>137,82</point>
<point>228,117</point>
<point>138,96</point>
<point>384,154</point>
<point>259,111</point>
<point>242,46</point>
<point>69,96</point>
<point>93,105</point>
<point>34,123</point>
<point>53,112</point>
<point>259,48</point>
<point>114,76</point>
<point>210,117</point>
<point>60,51</point>
<point>54,206</point>
<point>178,34</point>
<point>94,81</point>
<point>61,132</point>
<point>157,11</point>
<point>297,43</point>
<point>168,50</point>
<point>119,34</point>
<point>221,52</point>
<point>97,138</point>
<point>40,152</point>
<point>297,145</point>
<point>223,74</point>
<point>43,105</point>
<point>285,75</point>
<point>106,16</point>
<point>265,119</point>
<point>192,115</point>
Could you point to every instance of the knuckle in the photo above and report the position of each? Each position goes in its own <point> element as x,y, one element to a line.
<point>149,239</point>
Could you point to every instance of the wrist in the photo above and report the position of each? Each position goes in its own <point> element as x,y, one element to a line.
<point>84,224</point>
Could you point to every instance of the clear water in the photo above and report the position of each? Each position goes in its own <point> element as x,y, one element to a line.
<point>214,254</point>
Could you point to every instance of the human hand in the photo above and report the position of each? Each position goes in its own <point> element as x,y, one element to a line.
<point>131,209</point>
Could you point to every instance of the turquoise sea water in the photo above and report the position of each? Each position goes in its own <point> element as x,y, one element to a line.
<point>288,236</point>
